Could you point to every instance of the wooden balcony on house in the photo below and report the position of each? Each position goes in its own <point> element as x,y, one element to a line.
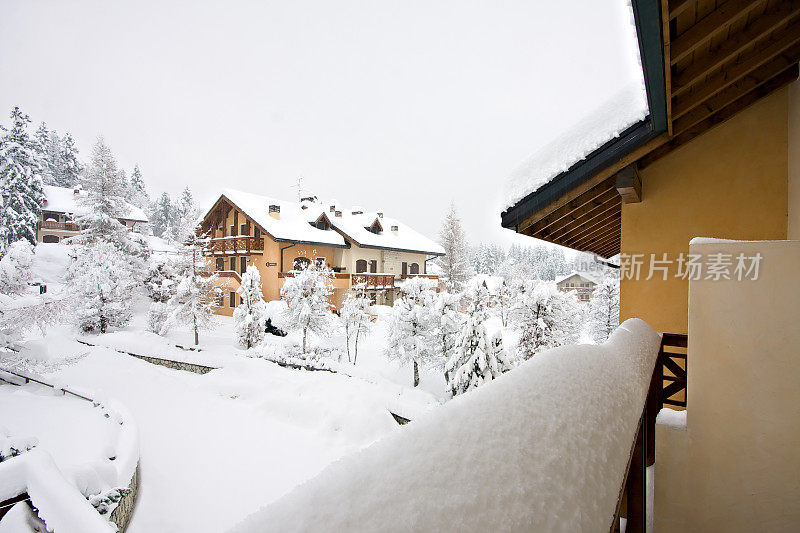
<point>62,226</point>
<point>371,280</point>
<point>426,276</point>
<point>235,245</point>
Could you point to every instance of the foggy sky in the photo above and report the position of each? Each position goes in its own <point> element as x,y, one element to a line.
<point>403,105</point>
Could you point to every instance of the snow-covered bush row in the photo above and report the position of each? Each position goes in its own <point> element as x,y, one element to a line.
<point>542,448</point>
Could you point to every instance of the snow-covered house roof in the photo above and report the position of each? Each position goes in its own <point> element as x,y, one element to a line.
<point>65,200</point>
<point>586,276</point>
<point>295,224</point>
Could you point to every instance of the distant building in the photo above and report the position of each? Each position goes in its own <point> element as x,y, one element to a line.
<point>583,283</point>
<point>281,237</point>
<point>61,209</point>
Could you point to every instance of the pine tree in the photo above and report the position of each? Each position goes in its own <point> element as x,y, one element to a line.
<point>454,264</point>
<point>162,216</point>
<point>604,309</point>
<point>16,268</point>
<point>546,317</point>
<point>449,323</point>
<point>250,316</point>
<point>137,194</point>
<point>185,215</point>
<point>71,166</point>
<point>356,317</point>
<point>21,189</point>
<point>307,307</point>
<point>412,327</point>
<point>479,357</point>
<point>194,299</point>
<point>100,282</point>
<point>49,154</point>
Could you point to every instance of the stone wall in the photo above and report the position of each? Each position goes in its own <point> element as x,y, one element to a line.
<point>122,514</point>
<point>175,365</point>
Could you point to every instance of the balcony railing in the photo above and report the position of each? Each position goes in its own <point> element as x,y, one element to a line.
<point>427,276</point>
<point>64,226</point>
<point>235,245</point>
<point>372,281</point>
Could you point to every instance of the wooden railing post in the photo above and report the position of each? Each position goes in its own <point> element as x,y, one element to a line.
<point>636,486</point>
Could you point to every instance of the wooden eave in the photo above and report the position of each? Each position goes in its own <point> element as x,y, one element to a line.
<point>716,58</point>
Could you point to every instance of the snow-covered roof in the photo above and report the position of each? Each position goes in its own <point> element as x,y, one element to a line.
<point>64,200</point>
<point>588,276</point>
<point>294,224</point>
<point>533,450</point>
<point>608,121</point>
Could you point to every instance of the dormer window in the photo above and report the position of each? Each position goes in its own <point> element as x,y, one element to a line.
<point>322,223</point>
<point>375,228</point>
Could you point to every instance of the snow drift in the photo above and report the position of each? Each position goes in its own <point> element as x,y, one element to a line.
<point>542,448</point>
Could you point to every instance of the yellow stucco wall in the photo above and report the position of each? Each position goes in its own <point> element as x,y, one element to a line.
<point>730,182</point>
<point>736,465</point>
<point>794,160</point>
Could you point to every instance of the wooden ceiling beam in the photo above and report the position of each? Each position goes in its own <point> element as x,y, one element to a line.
<point>758,56</point>
<point>758,77</point>
<point>590,197</point>
<point>581,231</point>
<point>608,250</point>
<point>583,213</point>
<point>569,229</point>
<point>722,115</point>
<point>676,7</point>
<point>609,227</point>
<point>729,48</point>
<point>708,26</point>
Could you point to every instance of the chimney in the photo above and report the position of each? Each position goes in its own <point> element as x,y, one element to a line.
<point>337,214</point>
<point>275,211</point>
<point>395,229</point>
<point>380,213</point>
<point>357,210</point>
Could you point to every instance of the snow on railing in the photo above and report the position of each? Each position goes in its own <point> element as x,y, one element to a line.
<point>60,505</point>
<point>544,447</point>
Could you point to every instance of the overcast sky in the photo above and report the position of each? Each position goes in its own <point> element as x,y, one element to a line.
<point>404,105</point>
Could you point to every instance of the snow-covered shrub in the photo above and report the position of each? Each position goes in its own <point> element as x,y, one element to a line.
<point>250,317</point>
<point>16,268</point>
<point>546,317</point>
<point>157,316</point>
<point>479,357</point>
<point>194,299</point>
<point>449,322</point>
<point>412,327</point>
<point>101,286</point>
<point>308,309</point>
<point>161,280</point>
<point>604,309</point>
<point>356,317</point>
<point>108,499</point>
<point>14,446</point>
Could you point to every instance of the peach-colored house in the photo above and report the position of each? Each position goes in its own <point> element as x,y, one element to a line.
<point>278,237</point>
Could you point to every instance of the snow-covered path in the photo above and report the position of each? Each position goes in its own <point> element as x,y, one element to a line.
<point>209,458</point>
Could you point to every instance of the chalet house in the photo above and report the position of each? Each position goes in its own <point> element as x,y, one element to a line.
<point>698,191</point>
<point>582,283</point>
<point>280,237</point>
<point>60,209</point>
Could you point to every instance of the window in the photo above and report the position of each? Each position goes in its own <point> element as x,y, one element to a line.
<point>373,266</point>
<point>404,269</point>
<point>414,268</point>
<point>257,233</point>
<point>361,266</point>
<point>220,263</point>
<point>231,299</point>
<point>300,263</point>
<point>233,230</point>
<point>232,264</point>
<point>320,261</point>
<point>243,229</point>
<point>49,238</point>
<point>243,264</point>
<point>220,299</point>
<point>322,224</point>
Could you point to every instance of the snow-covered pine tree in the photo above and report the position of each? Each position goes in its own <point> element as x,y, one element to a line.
<point>21,191</point>
<point>101,284</point>
<point>195,295</point>
<point>162,216</point>
<point>479,357</point>
<point>71,166</point>
<point>250,316</point>
<point>356,317</point>
<point>455,266</point>
<point>449,323</point>
<point>546,317</point>
<point>412,327</point>
<point>604,309</point>
<point>49,154</point>
<point>16,268</point>
<point>137,191</point>
<point>505,299</point>
<point>307,307</point>
<point>185,216</point>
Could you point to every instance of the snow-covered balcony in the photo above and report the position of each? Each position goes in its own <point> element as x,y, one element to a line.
<point>546,447</point>
<point>372,281</point>
<point>63,226</point>
<point>235,245</point>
